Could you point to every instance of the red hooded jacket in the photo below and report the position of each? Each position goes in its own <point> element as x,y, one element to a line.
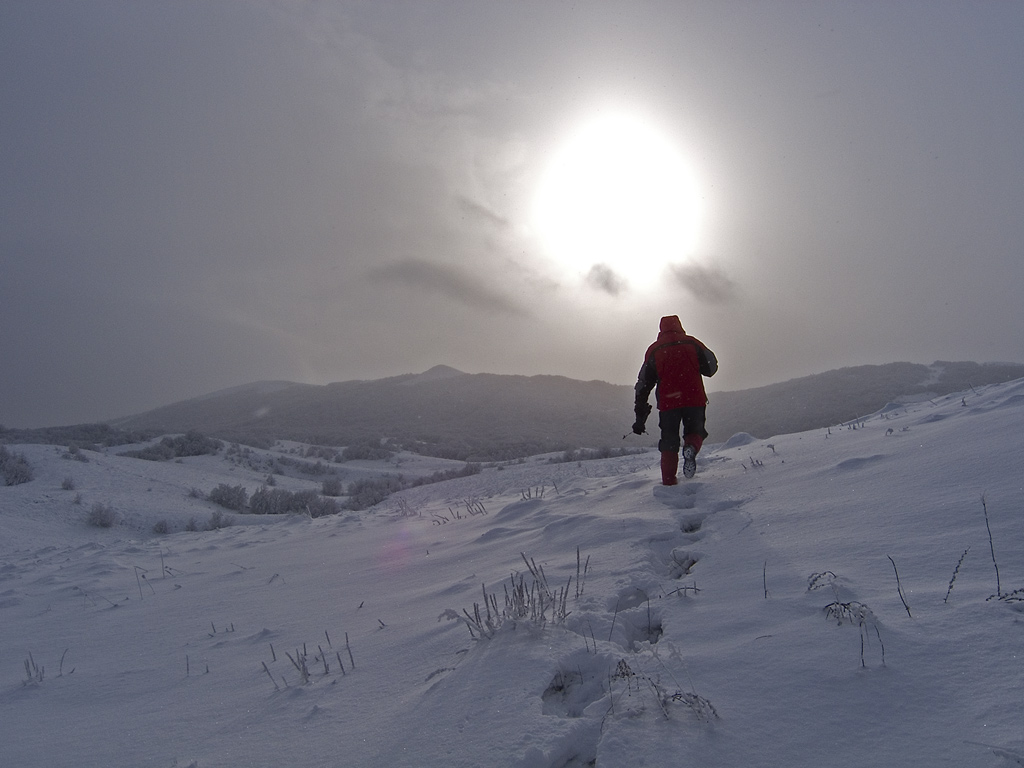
<point>676,363</point>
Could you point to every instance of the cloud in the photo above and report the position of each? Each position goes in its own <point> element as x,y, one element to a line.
<point>707,284</point>
<point>445,280</point>
<point>478,212</point>
<point>604,278</point>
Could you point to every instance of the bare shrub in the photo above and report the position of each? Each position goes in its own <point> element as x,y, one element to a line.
<point>468,469</point>
<point>366,452</point>
<point>320,507</point>
<point>192,443</point>
<point>230,496</point>
<point>218,520</point>
<point>363,494</point>
<point>14,467</point>
<point>270,501</point>
<point>321,452</point>
<point>74,453</point>
<point>277,501</point>
<point>331,486</point>
<point>102,516</point>
<point>590,454</point>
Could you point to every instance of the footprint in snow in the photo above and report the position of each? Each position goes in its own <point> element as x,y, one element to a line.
<point>683,496</point>
<point>691,525</point>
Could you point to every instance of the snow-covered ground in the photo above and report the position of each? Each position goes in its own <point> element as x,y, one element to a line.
<point>751,616</point>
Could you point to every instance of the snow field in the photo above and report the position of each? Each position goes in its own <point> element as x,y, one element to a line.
<point>699,635</point>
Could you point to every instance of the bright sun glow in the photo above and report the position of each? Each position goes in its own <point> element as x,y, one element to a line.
<point>618,193</point>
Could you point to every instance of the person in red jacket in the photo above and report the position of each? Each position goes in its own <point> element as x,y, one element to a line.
<point>676,364</point>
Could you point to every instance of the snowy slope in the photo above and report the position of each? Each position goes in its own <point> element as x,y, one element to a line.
<point>698,634</point>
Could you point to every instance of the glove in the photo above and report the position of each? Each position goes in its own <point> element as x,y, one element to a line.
<point>642,410</point>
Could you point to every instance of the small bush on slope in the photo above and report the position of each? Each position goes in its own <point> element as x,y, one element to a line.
<point>102,516</point>
<point>276,501</point>
<point>14,467</point>
<point>218,520</point>
<point>230,496</point>
<point>366,452</point>
<point>192,443</point>
<point>364,494</point>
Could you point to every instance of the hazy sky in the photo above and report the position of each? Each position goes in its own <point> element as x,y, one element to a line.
<point>199,194</point>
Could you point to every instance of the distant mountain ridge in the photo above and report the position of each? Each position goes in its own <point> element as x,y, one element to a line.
<point>442,412</point>
<point>445,412</point>
<point>844,394</point>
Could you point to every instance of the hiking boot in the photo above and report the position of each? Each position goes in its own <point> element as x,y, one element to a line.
<point>669,462</point>
<point>689,461</point>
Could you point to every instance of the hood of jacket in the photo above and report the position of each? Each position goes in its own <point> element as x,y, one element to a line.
<point>671,324</point>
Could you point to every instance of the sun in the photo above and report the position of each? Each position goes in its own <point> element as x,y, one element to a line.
<point>617,202</point>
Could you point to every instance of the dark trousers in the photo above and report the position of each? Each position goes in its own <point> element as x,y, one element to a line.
<point>692,422</point>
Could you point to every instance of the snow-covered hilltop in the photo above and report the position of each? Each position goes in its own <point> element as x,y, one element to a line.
<point>836,597</point>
